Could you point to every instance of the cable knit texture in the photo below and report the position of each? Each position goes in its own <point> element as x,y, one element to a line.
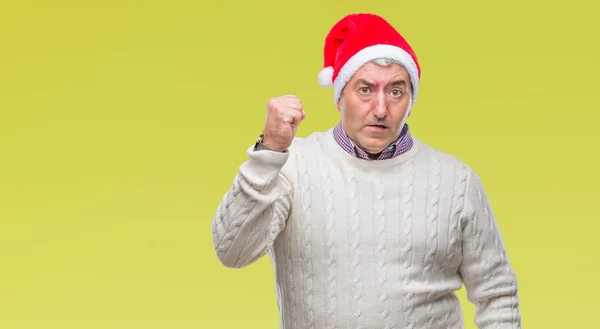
<point>368,244</point>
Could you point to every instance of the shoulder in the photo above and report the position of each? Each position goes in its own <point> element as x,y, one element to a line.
<point>457,178</point>
<point>310,145</point>
<point>311,141</point>
<point>463,175</point>
<point>303,149</point>
<point>447,160</point>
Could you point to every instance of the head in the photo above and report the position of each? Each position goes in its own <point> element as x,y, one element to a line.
<point>374,104</point>
<point>375,76</point>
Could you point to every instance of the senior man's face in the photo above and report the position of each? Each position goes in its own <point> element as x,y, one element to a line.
<point>373,105</point>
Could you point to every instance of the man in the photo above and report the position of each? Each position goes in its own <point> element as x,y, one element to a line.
<point>367,226</point>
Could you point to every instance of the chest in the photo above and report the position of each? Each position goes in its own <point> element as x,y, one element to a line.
<point>406,217</point>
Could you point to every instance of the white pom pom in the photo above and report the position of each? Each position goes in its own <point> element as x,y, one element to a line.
<point>326,77</point>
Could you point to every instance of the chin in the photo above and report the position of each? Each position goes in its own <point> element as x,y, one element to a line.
<point>374,148</point>
<point>375,145</point>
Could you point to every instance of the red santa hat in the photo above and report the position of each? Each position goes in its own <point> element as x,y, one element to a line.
<point>357,39</point>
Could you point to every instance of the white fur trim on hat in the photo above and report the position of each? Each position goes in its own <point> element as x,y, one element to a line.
<point>325,77</point>
<point>373,52</point>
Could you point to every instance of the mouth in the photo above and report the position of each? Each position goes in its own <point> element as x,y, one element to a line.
<point>377,126</point>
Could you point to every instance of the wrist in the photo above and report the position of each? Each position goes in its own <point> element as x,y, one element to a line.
<point>268,143</point>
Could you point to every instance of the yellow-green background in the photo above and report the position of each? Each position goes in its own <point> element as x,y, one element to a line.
<point>122,123</point>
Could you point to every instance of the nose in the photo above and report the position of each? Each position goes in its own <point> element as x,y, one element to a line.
<point>379,106</point>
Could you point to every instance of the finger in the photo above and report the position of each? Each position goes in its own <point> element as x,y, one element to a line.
<point>296,105</point>
<point>294,117</point>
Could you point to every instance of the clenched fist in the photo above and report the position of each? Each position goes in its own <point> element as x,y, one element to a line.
<point>284,114</point>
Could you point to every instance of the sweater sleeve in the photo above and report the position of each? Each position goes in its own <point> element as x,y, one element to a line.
<point>489,278</point>
<point>253,211</point>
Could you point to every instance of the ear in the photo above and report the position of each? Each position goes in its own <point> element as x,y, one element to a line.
<point>338,106</point>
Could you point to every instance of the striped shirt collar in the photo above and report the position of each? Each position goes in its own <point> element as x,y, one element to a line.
<point>399,146</point>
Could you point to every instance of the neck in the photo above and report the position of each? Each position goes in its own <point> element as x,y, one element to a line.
<point>373,156</point>
<point>339,150</point>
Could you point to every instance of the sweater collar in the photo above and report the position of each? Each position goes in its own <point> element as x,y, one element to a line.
<point>402,144</point>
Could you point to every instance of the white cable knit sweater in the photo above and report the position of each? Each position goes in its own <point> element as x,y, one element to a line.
<point>368,244</point>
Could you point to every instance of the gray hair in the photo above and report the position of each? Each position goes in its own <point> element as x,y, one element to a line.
<point>385,61</point>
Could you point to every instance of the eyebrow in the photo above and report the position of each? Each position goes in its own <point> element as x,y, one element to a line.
<point>400,82</point>
<point>364,82</point>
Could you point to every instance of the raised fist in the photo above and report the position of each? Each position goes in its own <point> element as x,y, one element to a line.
<point>284,114</point>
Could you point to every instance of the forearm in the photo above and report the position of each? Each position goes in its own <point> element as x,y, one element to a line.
<point>253,211</point>
<point>486,270</point>
<point>492,287</point>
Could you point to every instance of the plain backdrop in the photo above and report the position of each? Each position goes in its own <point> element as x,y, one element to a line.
<point>123,123</point>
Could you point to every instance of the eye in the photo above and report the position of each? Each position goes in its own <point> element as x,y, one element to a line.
<point>363,90</point>
<point>397,92</point>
